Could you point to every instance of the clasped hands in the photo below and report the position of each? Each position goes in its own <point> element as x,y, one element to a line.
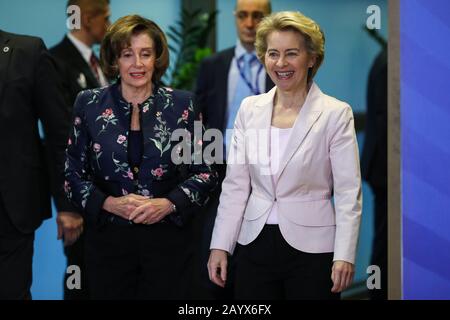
<point>139,209</point>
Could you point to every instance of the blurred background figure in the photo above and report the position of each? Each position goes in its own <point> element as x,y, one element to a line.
<point>374,164</point>
<point>79,69</point>
<point>30,167</point>
<point>224,79</point>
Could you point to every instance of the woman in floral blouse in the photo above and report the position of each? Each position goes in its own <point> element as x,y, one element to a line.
<point>122,170</point>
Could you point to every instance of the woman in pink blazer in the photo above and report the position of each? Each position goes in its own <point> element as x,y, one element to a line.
<point>292,197</point>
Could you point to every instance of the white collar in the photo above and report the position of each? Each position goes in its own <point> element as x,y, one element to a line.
<point>85,51</point>
<point>240,50</point>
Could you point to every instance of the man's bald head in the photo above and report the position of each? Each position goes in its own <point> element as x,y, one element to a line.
<point>248,14</point>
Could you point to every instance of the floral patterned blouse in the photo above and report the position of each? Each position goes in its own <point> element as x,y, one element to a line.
<point>97,161</point>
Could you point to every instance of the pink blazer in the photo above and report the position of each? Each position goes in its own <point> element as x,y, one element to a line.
<point>317,188</point>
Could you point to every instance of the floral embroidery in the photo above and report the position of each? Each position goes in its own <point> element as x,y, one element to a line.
<point>76,134</point>
<point>85,192</point>
<point>108,117</point>
<point>143,191</point>
<point>125,107</point>
<point>166,96</point>
<point>194,196</point>
<point>95,95</point>
<point>146,107</point>
<point>121,139</point>
<point>122,167</point>
<point>185,116</point>
<point>67,189</point>
<point>162,135</point>
<point>97,147</point>
<point>204,176</point>
<point>158,173</point>
<point>130,175</point>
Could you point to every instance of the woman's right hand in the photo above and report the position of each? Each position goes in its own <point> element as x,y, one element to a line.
<point>217,266</point>
<point>125,205</point>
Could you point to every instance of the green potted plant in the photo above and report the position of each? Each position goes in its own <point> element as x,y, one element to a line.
<point>188,43</point>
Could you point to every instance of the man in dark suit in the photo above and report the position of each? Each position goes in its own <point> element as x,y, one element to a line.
<point>224,80</point>
<point>374,164</point>
<point>78,69</point>
<point>30,167</point>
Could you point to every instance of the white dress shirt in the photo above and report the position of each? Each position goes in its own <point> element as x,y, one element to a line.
<point>86,53</point>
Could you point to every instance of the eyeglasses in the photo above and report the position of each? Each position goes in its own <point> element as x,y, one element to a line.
<point>256,15</point>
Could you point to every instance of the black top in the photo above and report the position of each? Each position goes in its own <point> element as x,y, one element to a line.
<point>135,150</point>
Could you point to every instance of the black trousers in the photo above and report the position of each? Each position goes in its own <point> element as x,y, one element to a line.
<point>139,261</point>
<point>75,255</point>
<point>205,224</point>
<point>16,259</point>
<point>270,269</point>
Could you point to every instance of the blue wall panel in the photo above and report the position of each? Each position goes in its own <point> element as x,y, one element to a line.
<point>425,118</point>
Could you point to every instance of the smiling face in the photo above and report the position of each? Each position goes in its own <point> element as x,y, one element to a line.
<point>137,62</point>
<point>287,60</point>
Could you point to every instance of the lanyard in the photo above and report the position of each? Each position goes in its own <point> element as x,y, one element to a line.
<point>255,89</point>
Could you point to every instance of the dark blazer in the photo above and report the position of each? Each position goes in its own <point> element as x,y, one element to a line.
<point>28,93</point>
<point>72,69</point>
<point>374,155</point>
<point>97,159</point>
<point>212,88</point>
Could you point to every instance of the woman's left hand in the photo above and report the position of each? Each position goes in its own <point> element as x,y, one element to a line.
<point>342,275</point>
<point>152,211</point>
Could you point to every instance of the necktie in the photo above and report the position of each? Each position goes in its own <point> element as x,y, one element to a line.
<point>94,67</point>
<point>242,91</point>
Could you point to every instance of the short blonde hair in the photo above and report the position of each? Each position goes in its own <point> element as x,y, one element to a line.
<point>297,22</point>
<point>118,37</point>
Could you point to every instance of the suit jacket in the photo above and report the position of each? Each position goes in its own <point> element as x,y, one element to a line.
<point>75,73</point>
<point>97,163</point>
<point>212,88</point>
<point>28,93</point>
<point>320,162</point>
<point>374,155</point>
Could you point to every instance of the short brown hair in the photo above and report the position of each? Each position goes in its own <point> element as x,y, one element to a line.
<point>118,37</point>
<point>297,22</point>
<point>93,7</point>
